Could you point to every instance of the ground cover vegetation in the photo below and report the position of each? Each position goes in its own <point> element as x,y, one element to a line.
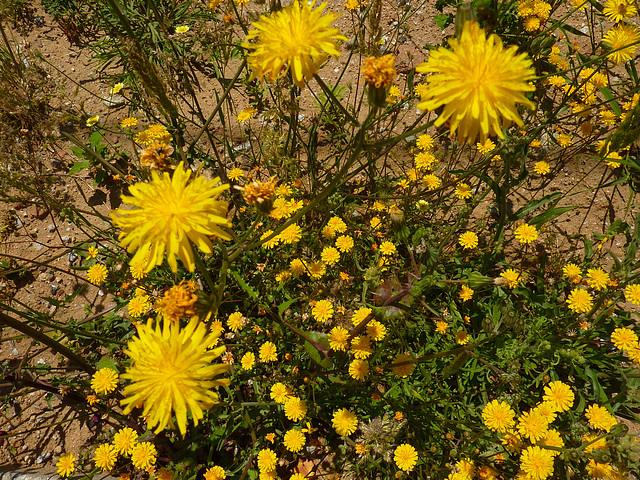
<point>354,292</point>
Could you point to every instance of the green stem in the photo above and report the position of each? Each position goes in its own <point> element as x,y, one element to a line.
<point>334,100</point>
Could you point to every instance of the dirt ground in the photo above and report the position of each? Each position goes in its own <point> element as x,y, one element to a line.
<point>37,427</point>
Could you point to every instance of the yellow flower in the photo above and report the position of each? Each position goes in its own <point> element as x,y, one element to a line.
<point>215,473</point>
<point>621,40</point>
<point>297,267</point>
<point>559,395</point>
<point>600,418</point>
<point>129,122</point>
<point>361,346</point>
<point>248,360</point>
<point>537,463</point>
<point>246,114</point>
<point>580,301</point>
<point>137,269</point>
<point>316,269</point>
<point>352,4</point>
<point>144,455</point>
<point>294,440</point>
<point>92,399</point>
<point>268,352</point>
<point>182,29</point>
<point>91,121</point>
<point>601,471</point>
<point>526,233</point>
<point>338,339</point>
<point>466,293</point>
<point>405,370</point>
<point>617,10</point>
<point>170,214</point>
<point>425,142</point>
<point>431,182</point>
<point>124,440</point>
<point>571,271</point>
<point>358,369</point>
<point>322,310</point>
<point>92,252</point>
<point>345,422</point>
<point>344,243</point>
<point>330,255</point>
<point>632,293</point>
<point>462,337</point>
<point>295,409</point>
<point>268,244</point>
<point>405,457</point>
<point>178,302</point>
<point>541,168</point>
<point>463,191</point>
<point>597,278</point>
<point>291,234</point>
<point>553,439</point>
<point>66,464</point>
<point>97,273</point>
<point>267,460</point>
<point>511,278</point>
<point>375,223</point>
<point>171,372</point>
<point>441,327</point>
<point>296,38</point>
<point>104,381</point>
<point>532,425</point>
<point>105,457</point>
<point>468,240</point>
<point>379,71</point>
<point>280,393</point>
<point>387,248</point>
<point>479,83</point>
<point>376,331</point>
<point>498,416</point>
<point>138,305</point>
<point>236,321</point>
<point>624,338</point>
<point>235,174</point>
<point>485,147</point>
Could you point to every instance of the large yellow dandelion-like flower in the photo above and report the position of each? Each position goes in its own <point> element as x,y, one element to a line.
<point>172,372</point>
<point>104,381</point>
<point>170,214</point>
<point>297,38</point>
<point>559,395</point>
<point>498,416</point>
<point>617,10</point>
<point>405,457</point>
<point>479,82</point>
<point>345,422</point>
<point>623,41</point>
<point>537,463</point>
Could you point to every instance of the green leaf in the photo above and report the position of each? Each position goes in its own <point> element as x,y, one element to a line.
<point>107,362</point>
<point>314,353</point>
<point>252,293</point>
<point>284,305</point>
<point>533,205</point>
<point>550,214</point>
<point>443,20</point>
<point>606,92</point>
<point>78,152</point>
<point>79,166</point>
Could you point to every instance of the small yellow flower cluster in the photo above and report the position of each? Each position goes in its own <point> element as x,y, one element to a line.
<point>533,13</point>
<point>533,425</point>
<point>580,300</point>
